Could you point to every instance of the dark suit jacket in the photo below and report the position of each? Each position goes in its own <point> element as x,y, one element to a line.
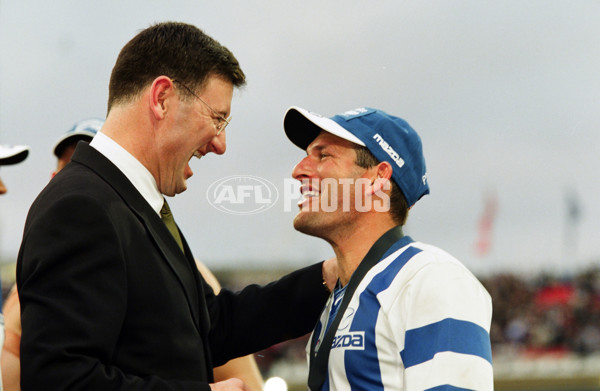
<point>109,301</point>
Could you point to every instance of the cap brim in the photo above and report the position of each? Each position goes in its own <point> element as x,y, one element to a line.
<point>67,138</point>
<point>302,127</point>
<point>83,130</point>
<point>13,154</point>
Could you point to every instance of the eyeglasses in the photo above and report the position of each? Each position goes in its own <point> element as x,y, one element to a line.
<point>220,122</point>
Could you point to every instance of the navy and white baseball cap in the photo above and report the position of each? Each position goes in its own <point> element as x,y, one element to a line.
<point>388,138</point>
<point>13,154</point>
<point>83,130</point>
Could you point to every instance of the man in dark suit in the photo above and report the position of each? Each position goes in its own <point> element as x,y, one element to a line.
<point>110,295</point>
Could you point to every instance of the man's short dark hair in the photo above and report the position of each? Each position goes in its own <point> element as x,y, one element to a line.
<point>398,204</point>
<point>177,50</point>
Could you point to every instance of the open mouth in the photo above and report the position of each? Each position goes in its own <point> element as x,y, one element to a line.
<point>307,192</point>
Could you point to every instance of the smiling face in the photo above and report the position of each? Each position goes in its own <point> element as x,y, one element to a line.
<point>191,131</point>
<point>329,174</point>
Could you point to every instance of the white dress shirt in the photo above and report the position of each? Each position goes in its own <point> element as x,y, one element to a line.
<point>135,171</point>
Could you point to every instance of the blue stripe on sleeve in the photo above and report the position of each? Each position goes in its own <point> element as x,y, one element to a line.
<point>448,335</point>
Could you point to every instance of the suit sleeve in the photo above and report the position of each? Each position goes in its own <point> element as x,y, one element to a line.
<point>73,290</point>
<point>258,317</point>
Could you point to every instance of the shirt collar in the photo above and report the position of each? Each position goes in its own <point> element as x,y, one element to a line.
<point>135,171</point>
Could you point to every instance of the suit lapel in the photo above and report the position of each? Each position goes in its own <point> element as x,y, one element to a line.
<point>182,266</point>
<point>204,319</point>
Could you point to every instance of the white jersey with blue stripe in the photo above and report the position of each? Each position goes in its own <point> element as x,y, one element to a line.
<point>419,320</point>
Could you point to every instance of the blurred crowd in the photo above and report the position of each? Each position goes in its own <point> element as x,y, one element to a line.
<point>546,314</point>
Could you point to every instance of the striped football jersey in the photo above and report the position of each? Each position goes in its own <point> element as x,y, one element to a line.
<point>419,320</point>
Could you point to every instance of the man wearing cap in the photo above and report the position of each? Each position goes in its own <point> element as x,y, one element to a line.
<point>11,154</point>
<point>84,130</point>
<point>8,155</point>
<point>405,315</point>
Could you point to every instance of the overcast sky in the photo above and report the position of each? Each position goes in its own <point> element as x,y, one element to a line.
<point>505,95</point>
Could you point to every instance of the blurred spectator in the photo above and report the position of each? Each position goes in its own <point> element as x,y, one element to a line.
<point>9,155</point>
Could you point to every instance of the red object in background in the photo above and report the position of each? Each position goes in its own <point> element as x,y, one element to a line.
<point>486,223</point>
<point>558,294</point>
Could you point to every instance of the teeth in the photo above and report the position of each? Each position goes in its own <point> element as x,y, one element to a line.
<point>306,194</point>
<point>309,194</point>
<point>197,154</point>
<point>309,191</point>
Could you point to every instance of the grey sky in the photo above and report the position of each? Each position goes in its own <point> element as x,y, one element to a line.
<point>505,95</point>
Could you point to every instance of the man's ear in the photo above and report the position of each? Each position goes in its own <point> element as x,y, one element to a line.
<point>382,179</point>
<point>161,89</point>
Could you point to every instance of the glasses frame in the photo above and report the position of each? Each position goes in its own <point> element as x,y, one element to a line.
<point>222,122</point>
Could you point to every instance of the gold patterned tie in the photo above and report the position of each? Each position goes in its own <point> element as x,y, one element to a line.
<point>167,217</point>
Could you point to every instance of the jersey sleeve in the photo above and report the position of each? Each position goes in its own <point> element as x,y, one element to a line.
<point>440,319</point>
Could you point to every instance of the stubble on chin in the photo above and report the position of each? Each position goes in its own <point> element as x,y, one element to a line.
<point>309,224</point>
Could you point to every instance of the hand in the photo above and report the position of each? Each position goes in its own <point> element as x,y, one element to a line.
<point>232,384</point>
<point>330,273</point>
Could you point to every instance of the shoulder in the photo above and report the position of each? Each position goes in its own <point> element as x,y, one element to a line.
<point>434,264</point>
<point>66,196</point>
<point>434,282</point>
<point>418,260</point>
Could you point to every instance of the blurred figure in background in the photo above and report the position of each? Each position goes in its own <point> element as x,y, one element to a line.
<point>11,155</point>
<point>64,147</point>
<point>244,368</point>
<point>8,155</point>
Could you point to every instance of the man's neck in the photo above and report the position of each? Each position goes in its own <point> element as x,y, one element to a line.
<point>130,126</point>
<point>351,248</point>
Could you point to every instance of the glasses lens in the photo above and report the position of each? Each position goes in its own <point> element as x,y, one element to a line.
<point>221,122</point>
